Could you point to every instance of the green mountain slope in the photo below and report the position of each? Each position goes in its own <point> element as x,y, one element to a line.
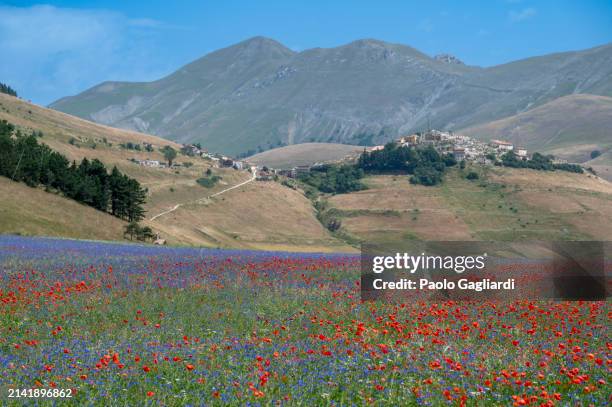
<point>258,94</point>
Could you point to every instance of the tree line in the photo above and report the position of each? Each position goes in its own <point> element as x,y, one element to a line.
<point>4,88</point>
<point>23,159</point>
<point>425,165</point>
<point>337,179</point>
<point>538,162</point>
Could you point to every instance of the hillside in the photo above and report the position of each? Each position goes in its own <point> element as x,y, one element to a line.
<point>303,154</point>
<point>34,212</point>
<point>569,127</point>
<point>602,165</point>
<point>257,215</point>
<point>259,94</point>
<point>505,204</point>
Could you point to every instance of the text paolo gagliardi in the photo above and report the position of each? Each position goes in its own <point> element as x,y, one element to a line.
<point>404,262</point>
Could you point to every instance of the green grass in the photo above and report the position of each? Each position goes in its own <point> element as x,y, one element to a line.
<point>495,212</point>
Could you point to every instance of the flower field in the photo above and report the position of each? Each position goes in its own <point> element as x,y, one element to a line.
<point>140,325</point>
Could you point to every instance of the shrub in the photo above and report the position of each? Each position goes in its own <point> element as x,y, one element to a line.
<point>142,233</point>
<point>472,175</point>
<point>208,182</point>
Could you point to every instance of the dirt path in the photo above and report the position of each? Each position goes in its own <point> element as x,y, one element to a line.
<point>254,175</point>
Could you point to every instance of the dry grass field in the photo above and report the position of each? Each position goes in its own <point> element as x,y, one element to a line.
<point>34,212</point>
<point>259,215</point>
<point>505,204</point>
<point>304,154</point>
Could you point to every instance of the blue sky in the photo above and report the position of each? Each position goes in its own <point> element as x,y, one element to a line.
<point>60,48</point>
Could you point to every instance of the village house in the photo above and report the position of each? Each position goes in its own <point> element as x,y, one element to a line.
<point>285,173</point>
<point>239,165</point>
<point>434,135</point>
<point>191,150</point>
<point>411,140</point>
<point>300,170</point>
<point>150,163</point>
<point>459,154</point>
<point>521,152</point>
<point>226,162</point>
<point>265,176</point>
<point>501,145</point>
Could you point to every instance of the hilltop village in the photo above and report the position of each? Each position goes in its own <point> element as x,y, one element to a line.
<point>461,147</point>
<point>446,143</point>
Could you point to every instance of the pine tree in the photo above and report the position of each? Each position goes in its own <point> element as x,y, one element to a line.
<point>7,89</point>
<point>118,192</point>
<point>23,159</point>
<point>136,198</point>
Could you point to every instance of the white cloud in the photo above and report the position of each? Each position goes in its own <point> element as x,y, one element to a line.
<point>47,29</point>
<point>522,15</point>
<point>55,52</point>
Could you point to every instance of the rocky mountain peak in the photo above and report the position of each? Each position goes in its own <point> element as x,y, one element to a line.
<point>448,59</point>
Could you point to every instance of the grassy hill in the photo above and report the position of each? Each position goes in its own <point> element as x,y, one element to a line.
<point>304,154</point>
<point>569,127</point>
<point>34,212</point>
<point>602,165</point>
<point>504,204</point>
<point>258,215</point>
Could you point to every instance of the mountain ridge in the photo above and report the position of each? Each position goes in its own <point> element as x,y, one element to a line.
<point>259,94</point>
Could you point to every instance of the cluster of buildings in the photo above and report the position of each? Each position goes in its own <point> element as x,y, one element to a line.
<point>263,173</point>
<point>268,174</point>
<point>191,150</point>
<point>218,160</point>
<point>460,146</point>
<point>154,163</point>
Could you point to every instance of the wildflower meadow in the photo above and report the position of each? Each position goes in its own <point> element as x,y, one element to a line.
<point>119,324</point>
